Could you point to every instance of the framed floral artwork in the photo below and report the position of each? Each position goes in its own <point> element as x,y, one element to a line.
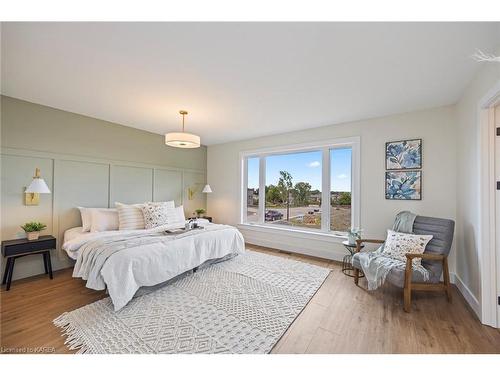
<point>403,185</point>
<point>405,154</point>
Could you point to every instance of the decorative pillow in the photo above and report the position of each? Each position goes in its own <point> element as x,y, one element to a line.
<point>156,214</point>
<point>168,204</point>
<point>398,244</point>
<point>86,214</point>
<point>161,213</point>
<point>130,216</point>
<point>104,219</point>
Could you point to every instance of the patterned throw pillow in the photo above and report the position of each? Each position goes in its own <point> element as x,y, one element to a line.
<point>158,213</point>
<point>398,244</point>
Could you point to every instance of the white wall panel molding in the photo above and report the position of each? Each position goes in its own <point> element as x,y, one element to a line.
<point>77,180</point>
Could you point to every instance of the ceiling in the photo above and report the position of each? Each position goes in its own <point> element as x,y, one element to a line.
<point>240,80</point>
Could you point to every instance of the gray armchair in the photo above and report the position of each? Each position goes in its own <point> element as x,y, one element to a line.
<point>434,259</point>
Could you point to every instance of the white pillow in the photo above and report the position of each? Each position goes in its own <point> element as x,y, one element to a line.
<point>104,219</point>
<point>130,216</point>
<point>179,214</point>
<point>398,244</point>
<point>86,214</point>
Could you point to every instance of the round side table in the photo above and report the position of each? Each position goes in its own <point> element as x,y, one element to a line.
<point>347,267</point>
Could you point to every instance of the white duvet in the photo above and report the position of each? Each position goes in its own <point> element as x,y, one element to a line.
<point>149,264</point>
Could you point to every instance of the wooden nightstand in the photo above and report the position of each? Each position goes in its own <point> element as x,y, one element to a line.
<point>13,249</point>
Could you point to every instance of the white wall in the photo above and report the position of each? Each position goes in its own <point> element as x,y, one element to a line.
<point>435,126</point>
<point>468,174</point>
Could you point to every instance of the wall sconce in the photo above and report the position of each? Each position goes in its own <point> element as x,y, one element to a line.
<point>37,187</point>
<point>191,192</point>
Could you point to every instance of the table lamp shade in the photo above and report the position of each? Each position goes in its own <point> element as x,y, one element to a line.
<point>207,189</point>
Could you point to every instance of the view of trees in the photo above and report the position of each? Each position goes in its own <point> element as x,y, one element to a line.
<point>342,199</point>
<point>285,186</point>
<point>273,195</point>
<point>301,193</point>
<point>285,193</point>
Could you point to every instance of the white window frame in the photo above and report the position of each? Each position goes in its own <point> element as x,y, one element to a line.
<point>325,147</point>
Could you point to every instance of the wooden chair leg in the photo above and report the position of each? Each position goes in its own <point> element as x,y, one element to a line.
<point>356,276</point>
<point>407,286</point>
<point>446,278</point>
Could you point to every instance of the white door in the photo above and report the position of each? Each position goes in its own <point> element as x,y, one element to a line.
<point>497,200</point>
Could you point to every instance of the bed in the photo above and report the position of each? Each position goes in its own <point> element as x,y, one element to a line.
<point>126,260</point>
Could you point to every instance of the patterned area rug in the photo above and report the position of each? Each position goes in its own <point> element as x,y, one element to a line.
<point>243,305</point>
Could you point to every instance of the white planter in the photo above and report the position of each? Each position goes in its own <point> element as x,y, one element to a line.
<point>32,235</point>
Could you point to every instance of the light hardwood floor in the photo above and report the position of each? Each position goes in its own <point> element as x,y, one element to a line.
<point>340,318</point>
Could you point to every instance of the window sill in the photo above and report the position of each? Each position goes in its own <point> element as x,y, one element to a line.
<point>298,233</point>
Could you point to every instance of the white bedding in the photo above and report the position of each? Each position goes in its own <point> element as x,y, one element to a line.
<point>75,237</point>
<point>70,235</point>
<point>124,272</point>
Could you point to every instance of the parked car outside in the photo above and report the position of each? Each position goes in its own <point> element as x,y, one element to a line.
<point>272,215</point>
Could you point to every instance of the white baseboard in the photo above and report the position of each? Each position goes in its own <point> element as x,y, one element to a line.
<point>468,295</point>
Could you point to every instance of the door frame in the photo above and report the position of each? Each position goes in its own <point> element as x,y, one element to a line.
<point>487,215</point>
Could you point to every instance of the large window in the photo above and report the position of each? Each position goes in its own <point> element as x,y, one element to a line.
<point>293,185</point>
<point>310,187</point>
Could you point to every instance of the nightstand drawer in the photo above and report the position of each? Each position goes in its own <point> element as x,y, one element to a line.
<point>29,247</point>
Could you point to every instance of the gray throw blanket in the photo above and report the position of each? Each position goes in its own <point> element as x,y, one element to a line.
<point>376,266</point>
<point>404,222</point>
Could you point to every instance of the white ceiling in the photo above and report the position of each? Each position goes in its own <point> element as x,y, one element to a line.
<point>240,80</point>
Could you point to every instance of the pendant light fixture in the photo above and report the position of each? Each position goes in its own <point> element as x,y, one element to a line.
<point>182,140</point>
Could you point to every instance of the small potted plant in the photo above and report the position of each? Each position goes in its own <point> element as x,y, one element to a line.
<point>353,234</point>
<point>199,212</point>
<point>33,229</point>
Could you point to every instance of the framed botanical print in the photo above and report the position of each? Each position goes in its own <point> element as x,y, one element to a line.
<point>405,154</point>
<point>403,185</point>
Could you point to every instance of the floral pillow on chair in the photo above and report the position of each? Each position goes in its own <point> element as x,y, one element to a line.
<point>397,245</point>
